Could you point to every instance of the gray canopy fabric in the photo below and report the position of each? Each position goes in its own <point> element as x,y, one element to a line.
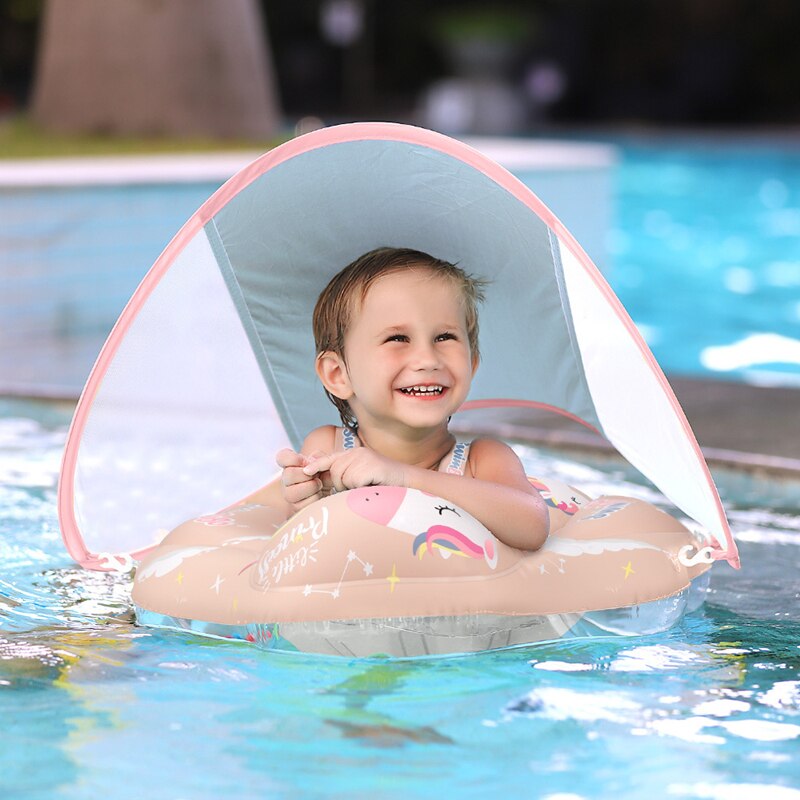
<point>337,204</point>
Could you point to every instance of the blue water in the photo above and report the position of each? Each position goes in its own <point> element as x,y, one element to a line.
<point>93,706</point>
<point>705,255</point>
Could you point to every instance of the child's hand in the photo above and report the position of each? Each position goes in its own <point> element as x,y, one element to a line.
<point>351,469</point>
<point>300,488</point>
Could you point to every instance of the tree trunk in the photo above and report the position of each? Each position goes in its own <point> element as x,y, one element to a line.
<point>155,67</point>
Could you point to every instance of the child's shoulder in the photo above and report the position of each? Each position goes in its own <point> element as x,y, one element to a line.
<point>490,456</point>
<point>487,446</point>
<point>322,438</point>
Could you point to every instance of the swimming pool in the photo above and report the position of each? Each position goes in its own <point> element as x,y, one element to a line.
<point>93,706</point>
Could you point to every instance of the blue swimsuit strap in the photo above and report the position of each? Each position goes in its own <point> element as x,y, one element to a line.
<point>458,458</point>
<point>350,439</point>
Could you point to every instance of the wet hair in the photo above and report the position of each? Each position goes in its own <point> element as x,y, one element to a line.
<point>348,289</point>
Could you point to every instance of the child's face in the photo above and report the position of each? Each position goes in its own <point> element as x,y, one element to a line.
<point>408,360</point>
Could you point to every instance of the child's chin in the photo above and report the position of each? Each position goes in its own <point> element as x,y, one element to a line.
<point>422,420</point>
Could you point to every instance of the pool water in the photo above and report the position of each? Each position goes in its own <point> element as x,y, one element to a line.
<point>705,255</point>
<point>93,706</point>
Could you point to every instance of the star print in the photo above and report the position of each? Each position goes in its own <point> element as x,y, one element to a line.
<point>307,590</point>
<point>393,579</point>
<point>368,569</point>
<point>542,569</point>
<point>179,579</point>
<point>351,556</point>
<point>335,594</point>
<point>629,570</point>
<point>217,583</point>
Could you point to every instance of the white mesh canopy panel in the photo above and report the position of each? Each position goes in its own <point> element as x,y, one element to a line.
<point>632,398</point>
<point>182,423</point>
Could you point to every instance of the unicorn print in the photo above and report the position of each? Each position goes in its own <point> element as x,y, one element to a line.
<point>435,524</point>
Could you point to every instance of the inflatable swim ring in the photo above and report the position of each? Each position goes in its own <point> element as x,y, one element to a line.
<point>394,571</point>
<point>209,371</point>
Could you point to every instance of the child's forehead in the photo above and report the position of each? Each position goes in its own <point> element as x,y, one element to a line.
<point>411,277</point>
<point>398,303</point>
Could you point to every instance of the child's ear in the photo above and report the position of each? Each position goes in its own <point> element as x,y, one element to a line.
<point>476,360</point>
<point>332,372</point>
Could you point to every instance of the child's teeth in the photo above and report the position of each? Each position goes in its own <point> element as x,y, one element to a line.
<point>423,390</point>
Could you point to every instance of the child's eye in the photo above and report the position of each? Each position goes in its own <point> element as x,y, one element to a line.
<point>443,337</point>
<point>397,337</point>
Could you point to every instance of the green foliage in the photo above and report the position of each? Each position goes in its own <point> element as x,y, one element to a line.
<point>24,10</point>
<point>20,137</point>
<point>493,23</point>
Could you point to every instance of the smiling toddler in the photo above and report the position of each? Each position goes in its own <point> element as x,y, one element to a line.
<point>396,333</point>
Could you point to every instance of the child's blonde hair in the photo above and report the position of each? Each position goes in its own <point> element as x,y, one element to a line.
<point>348,288</point>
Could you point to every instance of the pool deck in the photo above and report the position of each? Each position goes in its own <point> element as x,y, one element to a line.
<point>513,154</point>
<point>736,425</point>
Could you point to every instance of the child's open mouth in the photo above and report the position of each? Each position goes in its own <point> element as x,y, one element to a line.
<point>423,391</point>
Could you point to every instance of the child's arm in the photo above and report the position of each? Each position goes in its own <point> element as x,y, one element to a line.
<point>499,495</point>
<point>298,489</point>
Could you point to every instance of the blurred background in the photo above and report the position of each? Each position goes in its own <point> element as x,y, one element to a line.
<point>664,135</point>
<point>565,62</point>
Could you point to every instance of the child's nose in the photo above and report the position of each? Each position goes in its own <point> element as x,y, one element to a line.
<point>425,356</point>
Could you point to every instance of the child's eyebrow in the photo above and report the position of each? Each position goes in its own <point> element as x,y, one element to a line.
<point>445,327</point>
<point>392,329</point>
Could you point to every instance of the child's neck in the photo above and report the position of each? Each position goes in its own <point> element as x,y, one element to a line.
<point>425,449</point>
